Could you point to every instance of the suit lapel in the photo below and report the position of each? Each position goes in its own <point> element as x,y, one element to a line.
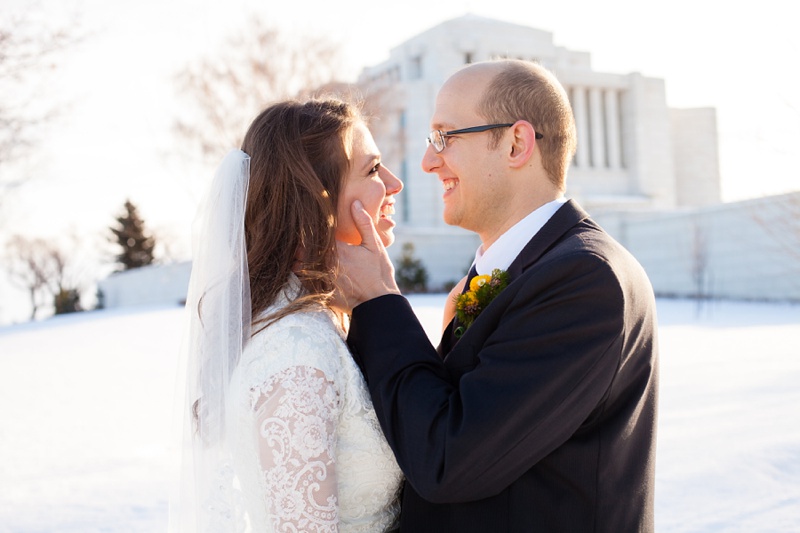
<point>567,217</point>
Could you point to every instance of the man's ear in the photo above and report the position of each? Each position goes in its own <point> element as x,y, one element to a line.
<point>522,144</point>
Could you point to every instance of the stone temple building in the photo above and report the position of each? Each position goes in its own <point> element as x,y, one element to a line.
<point>647,173</point>
<point>634,153</point>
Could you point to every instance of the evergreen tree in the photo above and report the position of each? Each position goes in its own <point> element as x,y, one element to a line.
<point>136,243</point>
<point>410,274</point>
<point>67,301</point>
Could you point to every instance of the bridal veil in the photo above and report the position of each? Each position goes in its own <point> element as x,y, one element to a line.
<point>219,317</point>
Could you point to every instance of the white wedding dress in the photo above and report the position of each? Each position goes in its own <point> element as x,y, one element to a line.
<point>309,453</point>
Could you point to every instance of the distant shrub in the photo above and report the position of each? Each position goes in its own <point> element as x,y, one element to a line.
<point>410,273</point>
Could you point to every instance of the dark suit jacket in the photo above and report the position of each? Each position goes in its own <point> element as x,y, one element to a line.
<point>542,416</point>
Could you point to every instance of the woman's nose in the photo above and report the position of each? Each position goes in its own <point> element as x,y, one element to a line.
<point>392,183</point>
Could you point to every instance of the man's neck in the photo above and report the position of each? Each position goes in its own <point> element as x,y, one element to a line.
<point>514,216</point>
<point>507,246</point>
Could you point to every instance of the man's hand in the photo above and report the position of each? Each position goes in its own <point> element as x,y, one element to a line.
<point>365,271</point>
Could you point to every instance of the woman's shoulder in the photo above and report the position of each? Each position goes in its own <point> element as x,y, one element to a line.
<point>314,319</point>
<point>315,322</point>
<point>304,338</point>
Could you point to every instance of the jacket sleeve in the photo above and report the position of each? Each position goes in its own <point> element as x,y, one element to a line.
<point>540,360</point>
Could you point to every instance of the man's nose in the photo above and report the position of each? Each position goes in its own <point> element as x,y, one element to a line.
<point>430,160</point>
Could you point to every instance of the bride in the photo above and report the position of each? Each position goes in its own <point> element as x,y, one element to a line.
<point>281,430</point>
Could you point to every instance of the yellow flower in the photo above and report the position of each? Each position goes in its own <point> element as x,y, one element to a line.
<point>470,298</point>
<point>482,290</point>
<point>479,281</point>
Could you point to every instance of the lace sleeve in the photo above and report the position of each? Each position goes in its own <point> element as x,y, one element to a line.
<point>296,413</point>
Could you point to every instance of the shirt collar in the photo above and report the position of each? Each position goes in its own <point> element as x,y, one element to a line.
<point>505,249</point>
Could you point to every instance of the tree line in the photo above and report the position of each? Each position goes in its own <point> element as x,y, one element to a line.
<point>45,270</point>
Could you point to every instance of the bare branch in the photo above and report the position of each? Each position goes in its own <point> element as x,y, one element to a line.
<point>28,50</point>
<point>42,268</point>
<point>29,266</point>
<point>257,66</point>
<point>782,222</point>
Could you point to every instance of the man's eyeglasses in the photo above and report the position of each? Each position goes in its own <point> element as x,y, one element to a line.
<point>437,137</point>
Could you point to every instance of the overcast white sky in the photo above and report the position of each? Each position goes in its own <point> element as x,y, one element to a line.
<point>117,92</point>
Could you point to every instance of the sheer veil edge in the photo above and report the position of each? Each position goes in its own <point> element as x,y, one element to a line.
<point>218,321</point>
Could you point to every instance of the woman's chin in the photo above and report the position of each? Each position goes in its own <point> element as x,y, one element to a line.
<point>385,227</point>
<point>387,237</point>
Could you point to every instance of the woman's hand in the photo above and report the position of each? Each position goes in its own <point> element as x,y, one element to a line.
<point>450,303</point>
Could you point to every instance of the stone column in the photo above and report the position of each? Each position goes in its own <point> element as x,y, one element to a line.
<point>612,129</point>
<point>580,111</point>
<point>597,133</point>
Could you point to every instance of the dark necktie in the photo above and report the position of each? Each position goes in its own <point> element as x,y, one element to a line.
<point>471,274</point>
<point>458,329</point>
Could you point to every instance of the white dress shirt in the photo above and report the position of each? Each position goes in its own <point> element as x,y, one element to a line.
<point>505,249</point>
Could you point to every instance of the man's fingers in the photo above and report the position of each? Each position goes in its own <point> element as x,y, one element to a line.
<point>366,228</point>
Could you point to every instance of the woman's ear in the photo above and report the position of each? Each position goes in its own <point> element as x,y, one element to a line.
<point>522,144</point>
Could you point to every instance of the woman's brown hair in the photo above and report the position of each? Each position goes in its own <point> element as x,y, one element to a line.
<point>299,159</point>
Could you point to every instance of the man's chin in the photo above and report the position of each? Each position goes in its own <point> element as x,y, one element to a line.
<point>451,217</point>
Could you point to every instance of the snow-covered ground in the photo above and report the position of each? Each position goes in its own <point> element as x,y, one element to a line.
<point>86,443</point>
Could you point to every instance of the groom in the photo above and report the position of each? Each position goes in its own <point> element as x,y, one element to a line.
<point>541,416</point>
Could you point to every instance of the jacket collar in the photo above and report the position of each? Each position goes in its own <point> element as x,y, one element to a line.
<point>567,217</point>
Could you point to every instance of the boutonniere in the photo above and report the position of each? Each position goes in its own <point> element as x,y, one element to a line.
<point>482,290</point>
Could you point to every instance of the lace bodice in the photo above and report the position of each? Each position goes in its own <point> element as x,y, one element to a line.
<point>309,452</point>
